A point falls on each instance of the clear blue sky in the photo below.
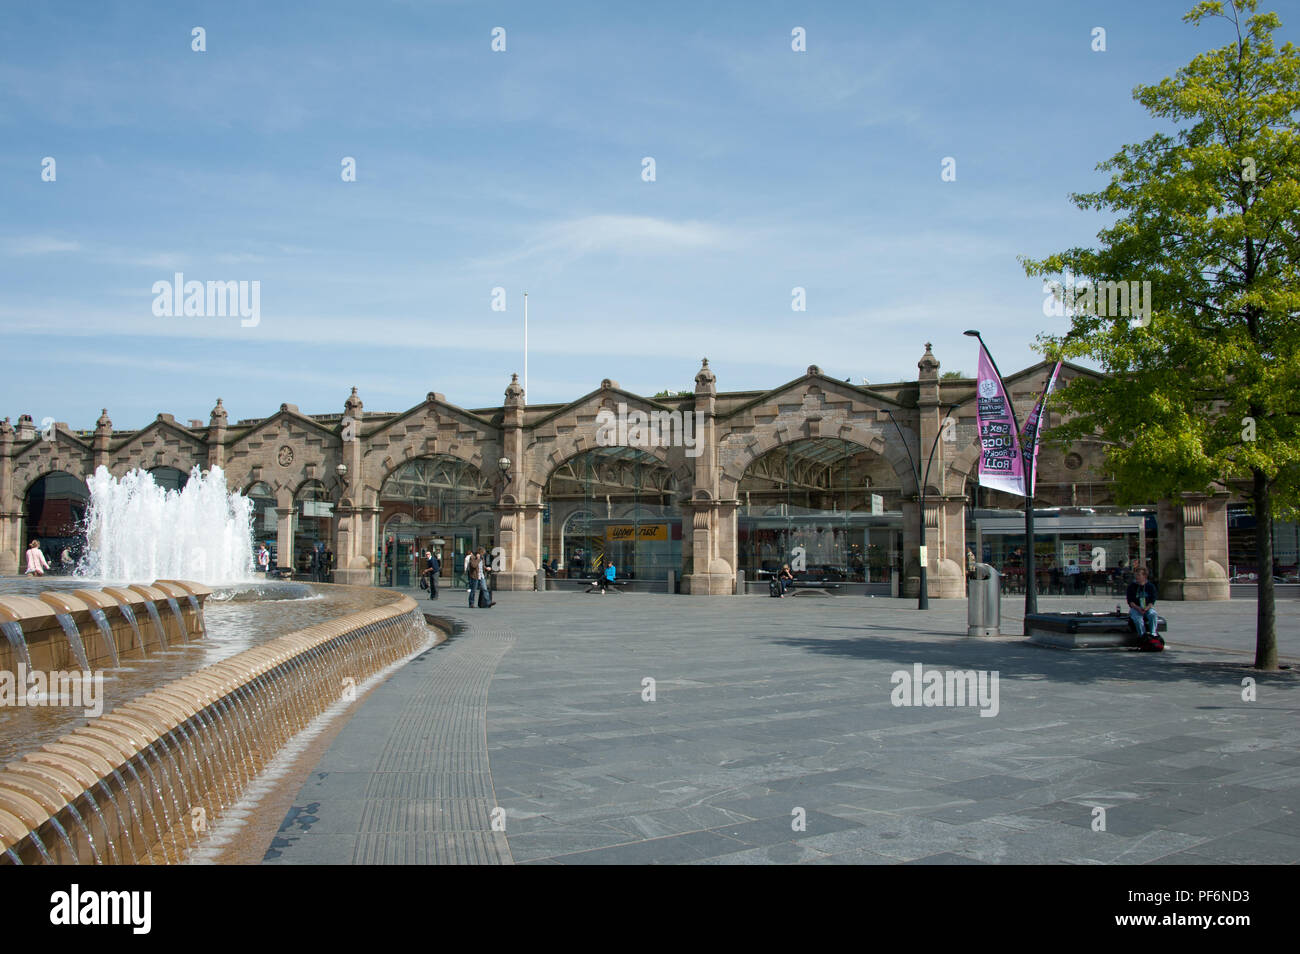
(522, 169)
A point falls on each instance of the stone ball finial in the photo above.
(353, 404)
(705, 378)
(606, 384)
(103, 424)
(6, 429)
(928, 361)
(218, 417)
(813, 369)
(514, 391)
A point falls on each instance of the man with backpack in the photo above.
(432, 567)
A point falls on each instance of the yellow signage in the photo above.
(629, 531)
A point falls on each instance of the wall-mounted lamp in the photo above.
(504, 464)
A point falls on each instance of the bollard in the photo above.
(740, 583)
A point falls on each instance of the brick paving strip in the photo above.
(406, 781)
(765, 710)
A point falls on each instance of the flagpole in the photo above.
(525, 347)
(1031, 581)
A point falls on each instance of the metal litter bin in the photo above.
(984, 602)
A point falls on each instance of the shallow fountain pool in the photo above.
(237, 618)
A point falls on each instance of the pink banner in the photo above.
(1001, 466)
(1030, 433)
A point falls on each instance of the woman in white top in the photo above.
(36, 562)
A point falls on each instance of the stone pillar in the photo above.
(911, 540)
(948, 577)
(713, 564)
(354, 523)
(217, 421)
(11, 505)
(519, 520)
(100, 444)
(944, 512)
(1193, 535)
(284, 536)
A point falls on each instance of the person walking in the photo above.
(36, 562)
(486, 600)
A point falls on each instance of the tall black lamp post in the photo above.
(923, 598)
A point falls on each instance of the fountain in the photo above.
(136, 530)
(136, 781)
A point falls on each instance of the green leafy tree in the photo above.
(1202, 384)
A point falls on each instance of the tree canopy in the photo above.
(1201, 389)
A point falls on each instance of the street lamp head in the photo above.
(341, 469)
(971, 334)
(504, 464)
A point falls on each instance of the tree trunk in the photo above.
(1266, 609)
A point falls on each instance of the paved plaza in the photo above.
(772, 738)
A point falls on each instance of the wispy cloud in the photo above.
(573, 239)
(38, 245)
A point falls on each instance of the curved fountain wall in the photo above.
(141, 783)
(112, 623)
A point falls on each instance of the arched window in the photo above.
(169, 478)
(809, 503)
(438, 503)
(54, 513)
(613, 504)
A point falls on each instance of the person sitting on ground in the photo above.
(36, 562)
(1142, 604)
(785, 577)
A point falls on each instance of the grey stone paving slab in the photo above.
(761, 709)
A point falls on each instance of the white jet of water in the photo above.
(138, 532)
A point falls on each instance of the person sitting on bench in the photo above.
(1142, 603)
(608, 577)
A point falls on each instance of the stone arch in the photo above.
(769, 439)
(173, 448)
(46, 457)
(573, 444)
(377, 470)
(60, 523)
